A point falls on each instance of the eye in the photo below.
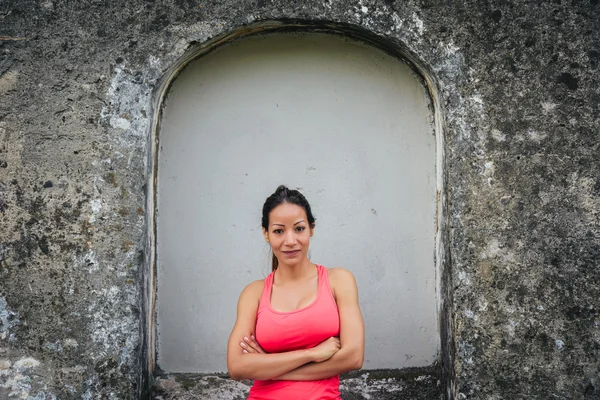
(300, 228)
(278, 231)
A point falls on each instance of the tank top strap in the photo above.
(265, 298)
(324, 286)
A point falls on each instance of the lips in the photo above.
(291, 253)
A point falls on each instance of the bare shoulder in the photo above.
(343, 285)
(341, 278)
(338, 273)
(256, 286)
(253, 289)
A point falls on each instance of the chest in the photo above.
(301, 329)
(294, 297)
(297, 318)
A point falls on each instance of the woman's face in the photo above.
(289, 233)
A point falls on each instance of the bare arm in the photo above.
(252, 365)
(352, 333)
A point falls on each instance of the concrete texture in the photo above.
(339, 119)
(411, 383)
(517, 91)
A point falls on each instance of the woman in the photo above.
(298, 329)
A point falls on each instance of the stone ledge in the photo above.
(414, 384)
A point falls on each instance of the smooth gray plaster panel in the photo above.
(344, 122)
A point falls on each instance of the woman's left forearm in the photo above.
(343, 361)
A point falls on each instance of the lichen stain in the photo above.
(19, 376)
(8, 81)
(127, 96)
(8, 319)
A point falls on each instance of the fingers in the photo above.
(246, 349)
(336, 343)
(254, 344)
(249, 345)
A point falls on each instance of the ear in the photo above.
(312, 230)
(265, 234)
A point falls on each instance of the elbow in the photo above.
(241, 373)
(234, 373)
(238, 369)
(358, 361)
(237, 376)
(234, 376)
(240, 376)
(353, 360)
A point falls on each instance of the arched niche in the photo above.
(402, 330)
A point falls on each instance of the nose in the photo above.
(290, 239)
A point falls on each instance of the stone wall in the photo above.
(518, 92)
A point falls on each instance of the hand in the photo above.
(250, 345)
(326, 349)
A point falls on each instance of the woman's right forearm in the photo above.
(267, 366)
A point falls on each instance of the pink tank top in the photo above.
(277, 332)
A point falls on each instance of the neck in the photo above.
(301, 270)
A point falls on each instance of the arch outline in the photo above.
(195, 50)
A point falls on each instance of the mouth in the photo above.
(291, 253)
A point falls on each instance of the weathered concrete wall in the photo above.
(407, 384)
(519, 87)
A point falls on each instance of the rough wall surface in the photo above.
(359, 385)
(519, 88)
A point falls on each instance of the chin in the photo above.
(293, 261)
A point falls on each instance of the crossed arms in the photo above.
(246, 360)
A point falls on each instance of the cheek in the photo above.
(305, 239)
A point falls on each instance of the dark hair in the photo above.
(285, 195)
